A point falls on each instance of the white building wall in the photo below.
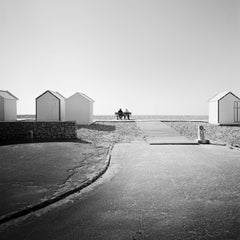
(1, 108)
(47, 108)
(91, 113)
(78, 109)
(226, 109)
(63, 112)
(10, 110)
(213, 112)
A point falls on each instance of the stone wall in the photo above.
(22, 131)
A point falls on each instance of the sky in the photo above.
(158, 57)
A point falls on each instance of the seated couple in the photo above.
(126, 114)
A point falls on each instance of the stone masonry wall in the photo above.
(17, 131)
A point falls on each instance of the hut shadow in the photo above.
(229, 125)
(97, 127)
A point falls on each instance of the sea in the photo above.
(135, 117)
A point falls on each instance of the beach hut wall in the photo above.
(50, 106)
(79, 108)
(8, 106)
(224, 109)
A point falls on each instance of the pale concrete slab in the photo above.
(158, 133)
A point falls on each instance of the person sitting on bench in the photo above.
(120, 113)
(127, 114)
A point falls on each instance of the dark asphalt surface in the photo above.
(149, 192)
(32, 173)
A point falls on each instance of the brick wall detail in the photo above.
(12, 131)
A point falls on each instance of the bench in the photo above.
(126, 115)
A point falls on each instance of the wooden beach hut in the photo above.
(8, 106)
(224, 109)
(79, 108)
(50, 107)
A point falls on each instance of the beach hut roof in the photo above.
(88, 98)
(56, 94)
(84, 95)
(7, 95)
(221, 95)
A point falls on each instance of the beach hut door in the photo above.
(237, 111)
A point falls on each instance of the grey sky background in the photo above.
(152, 57)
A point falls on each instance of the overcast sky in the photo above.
(150, 56)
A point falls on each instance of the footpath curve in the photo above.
(42, 204)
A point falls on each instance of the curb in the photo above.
(29, 209)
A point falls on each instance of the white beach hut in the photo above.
(50, 106)
(224, 109)
(8, 106)
(79, 108)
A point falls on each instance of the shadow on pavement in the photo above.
(77, 140)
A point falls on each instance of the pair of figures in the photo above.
(125, 114)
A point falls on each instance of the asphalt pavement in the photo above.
(148, 192)
(38, 174)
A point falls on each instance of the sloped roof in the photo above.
(56, 94)
(220, 95)
(88, 98)
(83, 95)
(7, 95)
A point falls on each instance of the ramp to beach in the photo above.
(158, 133)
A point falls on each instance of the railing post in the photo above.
(30, 135)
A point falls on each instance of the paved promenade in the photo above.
(165, 192)
(158, 133)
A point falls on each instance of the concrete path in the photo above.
(149, 192)
(158, 133)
